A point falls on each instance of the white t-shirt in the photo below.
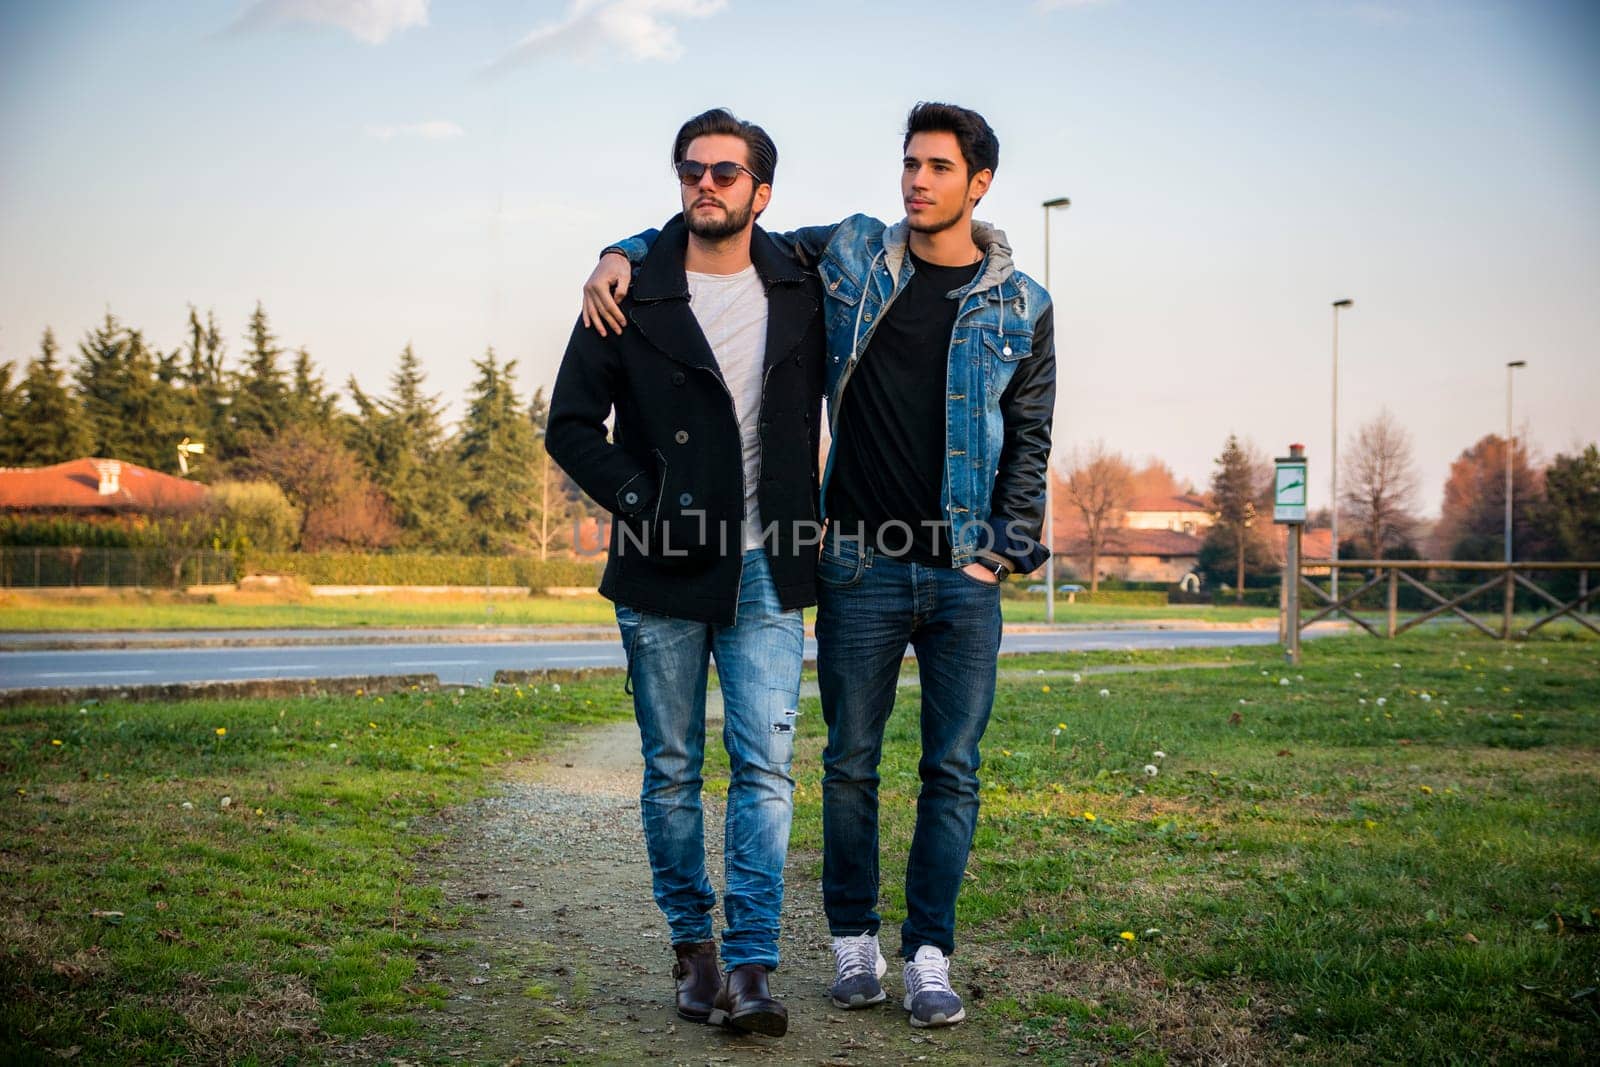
(732, 312)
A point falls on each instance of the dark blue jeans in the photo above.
(758, 663)
(871, 608)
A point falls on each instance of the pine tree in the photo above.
(203, 394)
(1235, 489)
(261, 395)
(402, 438)
(309, 399)
(51, 426)
(11, 396)
(497, 453)
(130, 408)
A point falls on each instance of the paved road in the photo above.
(458, 663)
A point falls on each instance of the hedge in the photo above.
(419, 569)
(1140, 598)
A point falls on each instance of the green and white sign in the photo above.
(1289, 491)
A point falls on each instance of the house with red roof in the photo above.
(95, 488)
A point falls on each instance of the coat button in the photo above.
(682, 437)
(685, 500)
(678, 378)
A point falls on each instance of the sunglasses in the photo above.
(724, 174)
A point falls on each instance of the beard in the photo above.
(715, 229)
(936, 225)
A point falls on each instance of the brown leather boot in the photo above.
(698, 978)
(743, 1003)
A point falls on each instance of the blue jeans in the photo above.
(758, 663)
(871, 608)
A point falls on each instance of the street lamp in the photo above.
(1333, 453)
(1510, 443)
(1049, 474)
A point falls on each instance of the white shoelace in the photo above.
(856, 955)
(928, 972)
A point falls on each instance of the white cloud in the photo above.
(631, 29)
(372, 21)
(437, 130)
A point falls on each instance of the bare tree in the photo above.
(1380, 479)
(1099, 485)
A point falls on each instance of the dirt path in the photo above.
(564, 957)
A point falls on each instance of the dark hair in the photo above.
(979, 146)
(719, 120)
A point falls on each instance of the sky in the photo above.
(378, 172)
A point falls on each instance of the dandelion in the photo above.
(373, 725)
(222, 731)
(1088, 816)
(187, 806)
(1039, 672)
(1127, 935)
(379, 700)
(1105, 692)
(1396, 666)
(260, 812)
(1158, 754)
(56, 742)
(1151, 770)
(1283, 681)
(1061, 726)
(361, 692)
(1358, 674)
(1427, 790)
(555, 687)
(1005, 752)
(333, 744)
(1369, 824)
(1361, 700)
(1382, 701)
(1516, 714)
(1076, 678)
(226, 802)
(1044, 689)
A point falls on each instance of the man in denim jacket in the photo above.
(940, 380)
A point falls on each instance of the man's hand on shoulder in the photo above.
(603, 292)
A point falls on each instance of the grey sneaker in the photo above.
(858, 965)
(929, 998)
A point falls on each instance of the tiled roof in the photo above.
(76, 486)
(1124, 542)
(1170, 503)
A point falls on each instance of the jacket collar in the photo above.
(997, 266)
(660, 299)
(662, 275)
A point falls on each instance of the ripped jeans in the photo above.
(758, 663)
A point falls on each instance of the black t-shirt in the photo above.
(890, 428)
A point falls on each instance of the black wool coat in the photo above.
(672, 471)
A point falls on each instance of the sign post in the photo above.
(1289, 509)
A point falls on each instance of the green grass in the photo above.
(1306, 876)
(1412, 882)
(224, 932)
(166, 611)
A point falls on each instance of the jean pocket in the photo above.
(839, 570)
(981, 583)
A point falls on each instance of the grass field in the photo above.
(164, 611)
(1391, 853)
